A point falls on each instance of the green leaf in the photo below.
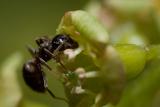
(141, 92)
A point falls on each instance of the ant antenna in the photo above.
(31, 50)
(55, 97)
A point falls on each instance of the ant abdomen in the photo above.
(33, 76)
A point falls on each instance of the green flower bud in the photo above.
(133, 58)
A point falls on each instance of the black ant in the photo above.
(47, 49)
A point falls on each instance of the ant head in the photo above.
(68, 43)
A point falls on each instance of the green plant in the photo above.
(121, 75)
(101, 72)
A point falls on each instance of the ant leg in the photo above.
(56, 50)
(53, 56)
(31, 50)
(50, 92)
(45, 64)
(55, 97)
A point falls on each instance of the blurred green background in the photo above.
(21, 21)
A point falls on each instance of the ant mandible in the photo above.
(48, 49)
